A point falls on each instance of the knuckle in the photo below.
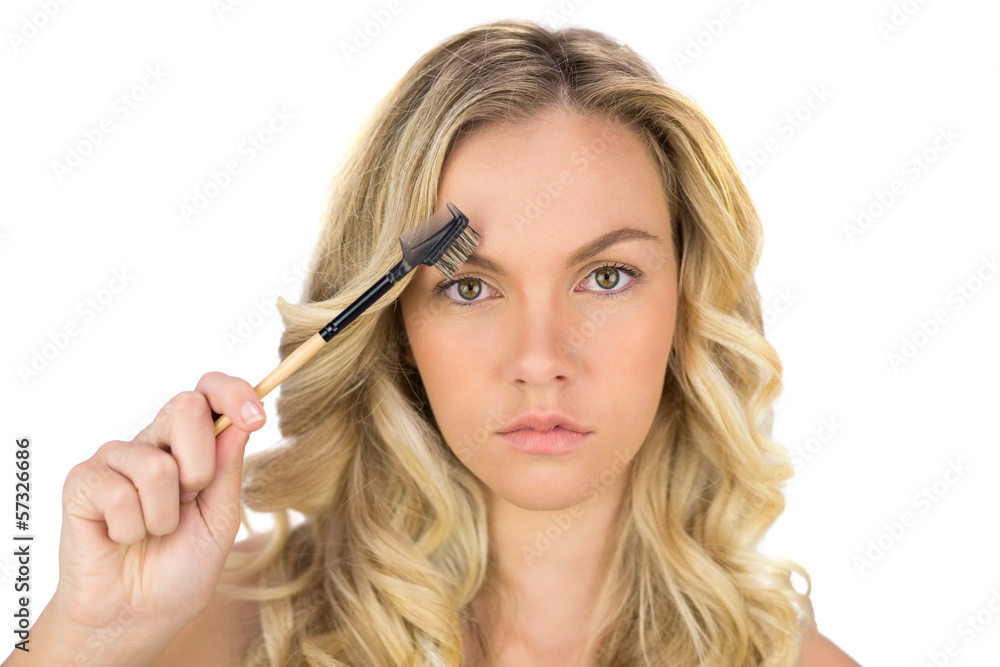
(76, 487)
(159, 469)
(85, 477)
(243, 386)
(118, 498)
(109, 449)
(210, 378)
(220, 383)
(187, 402)
(115, 457)
(76, 473)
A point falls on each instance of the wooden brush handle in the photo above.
(289, 365)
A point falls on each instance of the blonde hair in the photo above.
(394, 547)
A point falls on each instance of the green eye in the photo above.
(469, 288)
(606, 277)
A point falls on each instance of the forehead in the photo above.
(555, 180)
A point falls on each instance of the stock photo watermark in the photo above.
(806, 451)
(899, 15)
(23, 541)
(926, 329)
(133, 430)
(379, 20)
(778, 306)
(563, 521)
(967, 630)
(710, 31)
(579, 334)
(551, 190)
(787, 126)
(223, 8)
(123, 106)
(922, 502)
(86, 312)
(219, 179)
(247, 325)
(264, 309)
(32, 24)
(558, 15)
(471, 444)
(101, 639)
(912, 170)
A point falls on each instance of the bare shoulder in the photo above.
(219, 635)
(818, 651)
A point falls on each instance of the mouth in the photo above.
(553, 441)
(544, 423)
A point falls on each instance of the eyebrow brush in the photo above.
(444, 241)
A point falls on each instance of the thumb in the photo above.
(220, 500)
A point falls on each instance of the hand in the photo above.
(148, 524)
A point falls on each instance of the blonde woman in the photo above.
(559, 457)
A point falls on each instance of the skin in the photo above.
(147, 524)
(544, 334)
(146, 528)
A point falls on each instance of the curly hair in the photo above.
(392, 546)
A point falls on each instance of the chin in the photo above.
(551, 485)
(540, 500)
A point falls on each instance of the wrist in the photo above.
(55, 640)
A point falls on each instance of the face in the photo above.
(544, 358)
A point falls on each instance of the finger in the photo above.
(183, 427)
(233, 397)
(94, 492)
(154, 474)
(236, 399)
(220, 501)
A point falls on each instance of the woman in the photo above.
(558, 457)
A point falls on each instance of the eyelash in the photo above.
(633, 273)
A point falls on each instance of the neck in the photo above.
(549, 569)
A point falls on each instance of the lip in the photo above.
(540, 421)
(547, 434)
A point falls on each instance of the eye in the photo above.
(469, 288)
(464, 290)
(608, 281)
(608, 278)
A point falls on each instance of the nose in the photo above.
(539, 343)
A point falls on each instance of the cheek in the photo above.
(630, 367)
(455, 367)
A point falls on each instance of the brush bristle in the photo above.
(458, 252)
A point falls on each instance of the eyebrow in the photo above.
(602, 242)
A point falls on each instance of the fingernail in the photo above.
(188, 497)
(251, 412)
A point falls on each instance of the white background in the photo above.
(839, 304)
